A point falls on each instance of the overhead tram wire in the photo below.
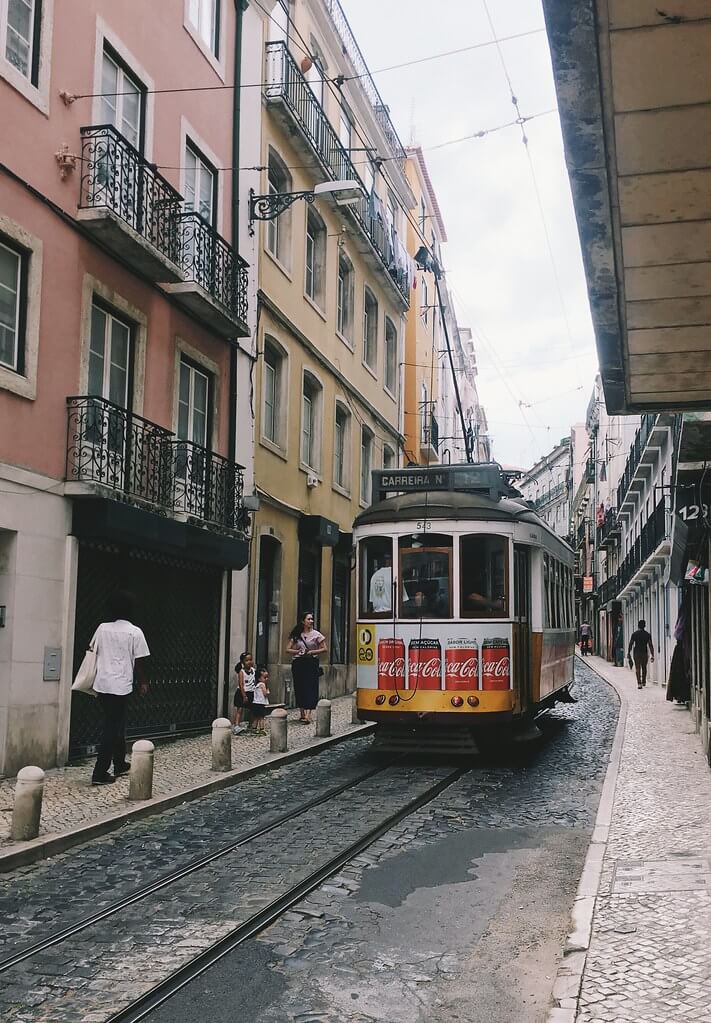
(539, 200)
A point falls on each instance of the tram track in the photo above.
(173, 876)
(141, 1008)
(379, 798)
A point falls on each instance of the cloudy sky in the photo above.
(528, 309)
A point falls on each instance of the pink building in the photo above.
(122, 301)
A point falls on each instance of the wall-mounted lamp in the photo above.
(269, 207)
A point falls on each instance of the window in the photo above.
(344, 297)
(314, 274)
(13, 272)
(205, 17)
(390, 356)
(345, 128)
(388, 457)
(370, 329)
(426, 576)
(272, 387)
(200, 186)
(108, 378)
(483, 576)
(279, 230)
(341, 447)
(310, 411)
(121, 100)
(366, 463)
(375, 574)
(21, 43)
(193, 404)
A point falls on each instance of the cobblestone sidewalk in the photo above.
(70, 801)
(648, 960)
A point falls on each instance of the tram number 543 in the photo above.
(366, 645)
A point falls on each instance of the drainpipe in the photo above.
(240, 7)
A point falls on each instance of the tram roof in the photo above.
(457, 505)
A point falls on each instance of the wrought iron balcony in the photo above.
(550, 495)
(114, 448)
(214, 284)
(128, 205)
(288, 89)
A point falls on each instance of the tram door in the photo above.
(522, 623)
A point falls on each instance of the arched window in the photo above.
(279, 229)
(315, 260)
(370, 329)
(390, 356)
(344, 297)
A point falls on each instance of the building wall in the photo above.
(39, 212)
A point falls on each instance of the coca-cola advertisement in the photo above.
(391, 663)
(424, 664)
(461, 664)
(495, 664)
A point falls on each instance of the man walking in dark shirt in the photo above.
(640, 641)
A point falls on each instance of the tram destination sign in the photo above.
(485, 477)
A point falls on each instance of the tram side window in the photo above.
(568, 598)
(426, 576)
(484, 576)
(547, 591)
(556, 594)
(375, 555)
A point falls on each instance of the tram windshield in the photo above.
(484, 576)
(376, 576)
(426, 576)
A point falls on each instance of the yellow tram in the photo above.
(465, 604)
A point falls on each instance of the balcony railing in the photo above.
(286, 83)
(430, 435)
(634, 457)
(207, 259)
(550, 495)
(111, 446)
(654, 532)
(116, 177)
(610, 528)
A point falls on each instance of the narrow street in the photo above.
(459, 911)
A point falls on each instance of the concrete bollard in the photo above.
(27, 809)
(278, 731)
(140, 780)
(323, 719)
(221, 745)
(355, 720)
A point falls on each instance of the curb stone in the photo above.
(25, 853)
(568, 981)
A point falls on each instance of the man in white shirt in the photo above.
(121, 649)
(381, 587)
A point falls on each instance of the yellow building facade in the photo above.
(424, 343)
(334, 290)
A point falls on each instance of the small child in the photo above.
(260, 701)
(244, 691)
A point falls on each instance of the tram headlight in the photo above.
(457, 701)
(380, 699)
(394, 699)
(473, 701)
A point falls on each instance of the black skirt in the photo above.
(304, 671)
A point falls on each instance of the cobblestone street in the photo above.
(70, 801)
(491, 864)
(648, 960)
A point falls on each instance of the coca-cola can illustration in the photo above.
(391, 664)
(495, 664)
(424, 664)
(461, 664)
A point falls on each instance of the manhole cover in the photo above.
(649, 877)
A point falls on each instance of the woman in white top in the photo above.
(121, 650)
(305, 645)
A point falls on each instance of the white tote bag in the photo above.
(84, 682)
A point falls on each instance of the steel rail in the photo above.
(145, 1004)
(167, 879)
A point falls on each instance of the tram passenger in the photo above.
(381, 586)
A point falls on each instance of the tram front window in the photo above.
(426, 576)
(376, 576)
(484, 576)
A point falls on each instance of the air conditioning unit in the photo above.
(312, 481)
